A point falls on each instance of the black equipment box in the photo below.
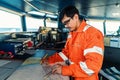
(15, 48)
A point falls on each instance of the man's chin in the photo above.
(71, 30)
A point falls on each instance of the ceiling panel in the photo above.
(103, 9)
(96, 11)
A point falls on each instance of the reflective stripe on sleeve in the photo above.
(86, 69)
(64, 57)
(94, 49)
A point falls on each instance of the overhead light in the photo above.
(52, 16)
(116, 14)
(36, 13)
(30, 0)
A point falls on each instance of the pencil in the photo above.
(43, 58)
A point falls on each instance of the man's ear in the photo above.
(75, 16)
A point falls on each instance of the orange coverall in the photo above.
(85, 49)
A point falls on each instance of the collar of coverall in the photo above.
(81, 26)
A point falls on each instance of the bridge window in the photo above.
(9, 22)
(112, 27)
(33, 24)
(97, 24)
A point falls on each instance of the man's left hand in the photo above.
(57, 69)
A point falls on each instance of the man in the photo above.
(84, 48)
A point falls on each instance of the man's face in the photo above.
(70, 23)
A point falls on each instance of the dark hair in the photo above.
(81, 17)
(69, 11)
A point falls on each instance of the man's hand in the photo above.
(57, 67)
(60, 63)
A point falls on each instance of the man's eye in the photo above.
(66, 22)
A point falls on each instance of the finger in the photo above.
(57, 64)
(54, 71)
(61, 63)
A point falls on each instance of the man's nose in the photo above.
(67, 25)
